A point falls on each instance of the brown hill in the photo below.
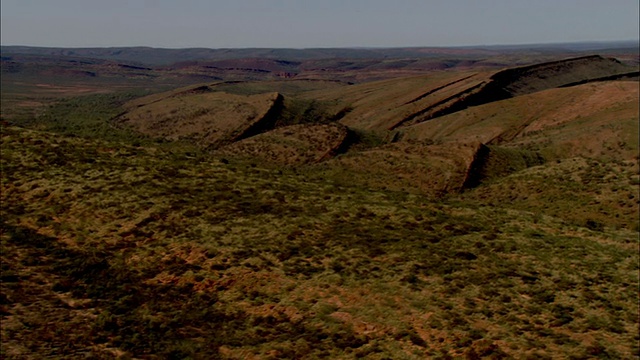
(533, 78)
(439, 156)
(538, 77)
(395, 103)
(594, 120)
(382, 105)
(198, 114)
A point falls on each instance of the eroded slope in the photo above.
(396, 103)
(593, 120)
(203, 116)
(383, 105)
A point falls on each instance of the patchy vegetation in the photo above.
(229, 221)
(137, 251)
(293, 145)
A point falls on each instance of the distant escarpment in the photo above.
(402, 102)
(525, 80)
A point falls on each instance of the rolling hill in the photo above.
(468, 212)
(201, 115)
(593, 120)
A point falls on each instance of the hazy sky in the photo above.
(313, 23)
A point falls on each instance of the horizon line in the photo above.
(355, 47)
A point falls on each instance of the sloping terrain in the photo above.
(398, 103)
(292, 145)
(529, 79)
(593, 120)
(114, 250)
(528, 129)
(432, 170)
(317, 219)
(34, 78)
(581, 191)
(201, 115)
(384, 104)
(533, 78)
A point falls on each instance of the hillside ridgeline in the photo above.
(399, 103)
(312, 218)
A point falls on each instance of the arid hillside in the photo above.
(416, 133)
(141, 251)
(592, 120)
(403, 102)
(384, 105)
(470, 211)
(205, 117)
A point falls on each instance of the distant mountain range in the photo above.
(161, 56)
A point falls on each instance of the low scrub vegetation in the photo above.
(111, 250)
(255, 224)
